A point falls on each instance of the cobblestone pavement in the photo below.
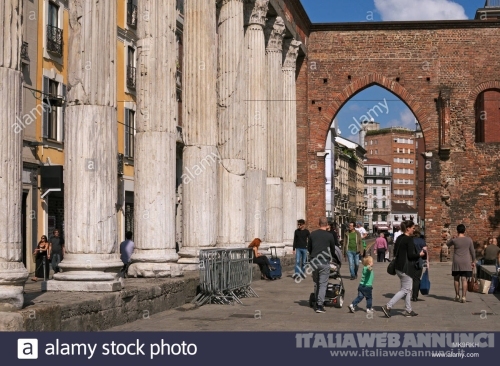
(283, 306)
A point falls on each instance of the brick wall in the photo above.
(492, 116)
(414, 61)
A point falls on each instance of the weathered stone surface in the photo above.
(301, 203)
(274, 212)
(289, 212)
(199, 104)
(231, 126)
(156, 133)
(256, 204)
(12, 271)
(83, 285)
(11, 322)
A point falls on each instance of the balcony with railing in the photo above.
(54, 40)
(131, 77)
(370, 173)
(24, 52)
(404, 196)
(131, 14)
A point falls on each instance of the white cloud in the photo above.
(403, 10)
(406, 119)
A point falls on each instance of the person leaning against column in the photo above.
(464, 261)
(320, 242)
(405, 255)
(352, 248)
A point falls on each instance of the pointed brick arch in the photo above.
(365, 82)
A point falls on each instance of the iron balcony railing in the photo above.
(24, 51)
(378, 174)
(131, 15)
(54, 40)
(131, 77)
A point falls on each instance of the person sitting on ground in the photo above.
(261, 260)
(491, 252)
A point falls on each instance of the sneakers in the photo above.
(370, 311)
(387, 311)
(320, 309)
(351, 308)
(457, 298)
(409, 314)
(463, 300)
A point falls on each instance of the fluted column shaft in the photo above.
(275, 32)
(290, 138)
(155, 139)
(200, 130)
(256, 173)
(232, 125)
(13, 274)
(90, 189)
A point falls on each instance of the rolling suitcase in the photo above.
(275, 263)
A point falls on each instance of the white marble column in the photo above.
(256, 100)
(275, 32)
(232, 125)
(301, 203)
(200, 157)
(290, 139)
(155, 142)
(13, 274)
(90, 171)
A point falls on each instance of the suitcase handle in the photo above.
(275, 252)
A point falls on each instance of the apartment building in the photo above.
(377, 194)
(397, 146)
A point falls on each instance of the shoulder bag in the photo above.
(391, 268)
(473, 283)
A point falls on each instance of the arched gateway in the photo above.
(438, 69)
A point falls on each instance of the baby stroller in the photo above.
(334, 291)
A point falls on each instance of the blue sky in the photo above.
(377, 102)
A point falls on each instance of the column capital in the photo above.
(275, 32)
(255, 12)
(291, 54)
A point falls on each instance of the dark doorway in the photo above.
(23, 225)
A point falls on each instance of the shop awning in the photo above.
(382, 228)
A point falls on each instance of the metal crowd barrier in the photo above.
(225, 276)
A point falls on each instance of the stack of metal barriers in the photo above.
(225, 276)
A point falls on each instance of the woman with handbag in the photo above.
(464, 261)
(41, 255)
(405, 256)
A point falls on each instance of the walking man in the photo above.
(353, 246)
(320, 242)
(360, 229)
(56, 251)
(126, 250)
(300, 240)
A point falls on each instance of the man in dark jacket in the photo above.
(320, 245)
(300, 240)
(405, 254)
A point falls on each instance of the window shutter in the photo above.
(126, 133)
(63, 112)
(45, 108)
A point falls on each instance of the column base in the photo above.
(82, 286)
(13, 276)
(154, 270)
(190, 267)
(154, 256)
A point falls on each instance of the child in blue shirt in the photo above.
(365, 287)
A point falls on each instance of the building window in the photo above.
(383, 192)
(383, 171)
(374, 191)
(53, 116)
(384, 217)
(487, 116)
(376, 151)
(374, 171)
(54, 33)
(375, 204)
(383, 206)
(366, 191)
(131, 67)
(129, 133)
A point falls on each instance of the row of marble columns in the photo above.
(239, 115)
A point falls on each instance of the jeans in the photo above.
(364, 292)
(380, 255)
(406, 287)
(300, 261)
(55, 260)
(320, 277)
(353, 258)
